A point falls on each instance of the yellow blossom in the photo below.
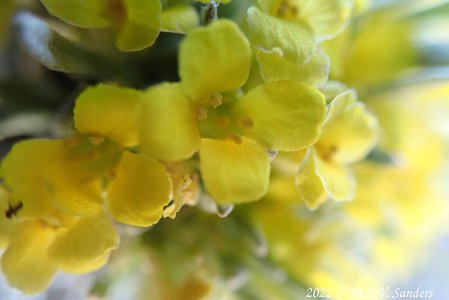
(349, 132)
(37, 250)
(205, 112)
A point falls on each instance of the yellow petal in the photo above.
(275, 67)
(349, 131)
(6, 225)
(286, 115)
(140, 25)
(85, 246)
(337, 180)
(22, 170)
(48, 179)
(73, 12)
(108, 111)
(234, 173)
(327, 18)
(72, 187)
(308, 183)
(179, 18)
(214, 59)
(290, 41)
(168, 125)
(141, 190)
(25, 263)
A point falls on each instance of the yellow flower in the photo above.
(349, 132)
(287, 33)
(78, 174)
(286, 50)
(232, 132)
(135, 23)
(36, 250)
(55, 191)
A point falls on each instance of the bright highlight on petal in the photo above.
(85, 246)
(213, 60)
(286, 115)
(168, 125)
(140, 191)
(108, 111)
(234, 173)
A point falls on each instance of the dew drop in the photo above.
(272, 154)
(224, 210)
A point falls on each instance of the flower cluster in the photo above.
(252, 116)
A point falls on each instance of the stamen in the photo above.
(327, 153)
(111, 175)
(235, 138)
(72, 141)
(247, 122)
(222, 121)
(96, 140)
(287, 10)
(186, 182)
(201, 113)
(216, 100)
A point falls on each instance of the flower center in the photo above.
(287, 10)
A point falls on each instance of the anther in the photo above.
(222, 121)
(72, 141)
(186, 182)
(247, 122)
(201, 113)
(235, 138)
(111, 175)
(96, 140)
(216, 100)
